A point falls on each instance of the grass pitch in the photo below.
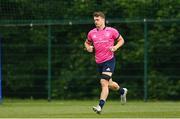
(83, 109)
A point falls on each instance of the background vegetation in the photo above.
(74, 75)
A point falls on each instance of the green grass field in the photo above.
(83, 109)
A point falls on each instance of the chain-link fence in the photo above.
(43, 52)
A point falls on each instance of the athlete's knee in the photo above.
(113, 85)
(106, 77)
(104, 83)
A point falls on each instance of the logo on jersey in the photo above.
(107, 34)
(94, 36)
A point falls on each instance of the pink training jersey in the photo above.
(103, 40)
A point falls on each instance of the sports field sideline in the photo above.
(83, 109)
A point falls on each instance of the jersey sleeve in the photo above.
(89, 39)
(115, 34)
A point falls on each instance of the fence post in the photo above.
(0, 69)
(145, 60)
(49, 62)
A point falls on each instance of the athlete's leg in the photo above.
(123, 91)
(105, 86)
(113, 85)
(104, 89)
(106, 76)
(106, 69)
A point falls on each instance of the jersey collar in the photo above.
(102, 29)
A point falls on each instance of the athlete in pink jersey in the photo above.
(101, 40)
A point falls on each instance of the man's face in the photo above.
(99, 21)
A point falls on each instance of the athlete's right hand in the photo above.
(90, 48)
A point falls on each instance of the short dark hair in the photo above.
(99, 13)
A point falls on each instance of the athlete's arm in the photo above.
(120, 42)
(88, 46)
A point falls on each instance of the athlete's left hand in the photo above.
(113, 48)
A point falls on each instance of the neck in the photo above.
(101, 27)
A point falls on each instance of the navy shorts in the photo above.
(107, 66)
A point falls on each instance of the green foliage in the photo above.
(74, 75)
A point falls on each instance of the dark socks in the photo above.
(101, 103)
(121, 90)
